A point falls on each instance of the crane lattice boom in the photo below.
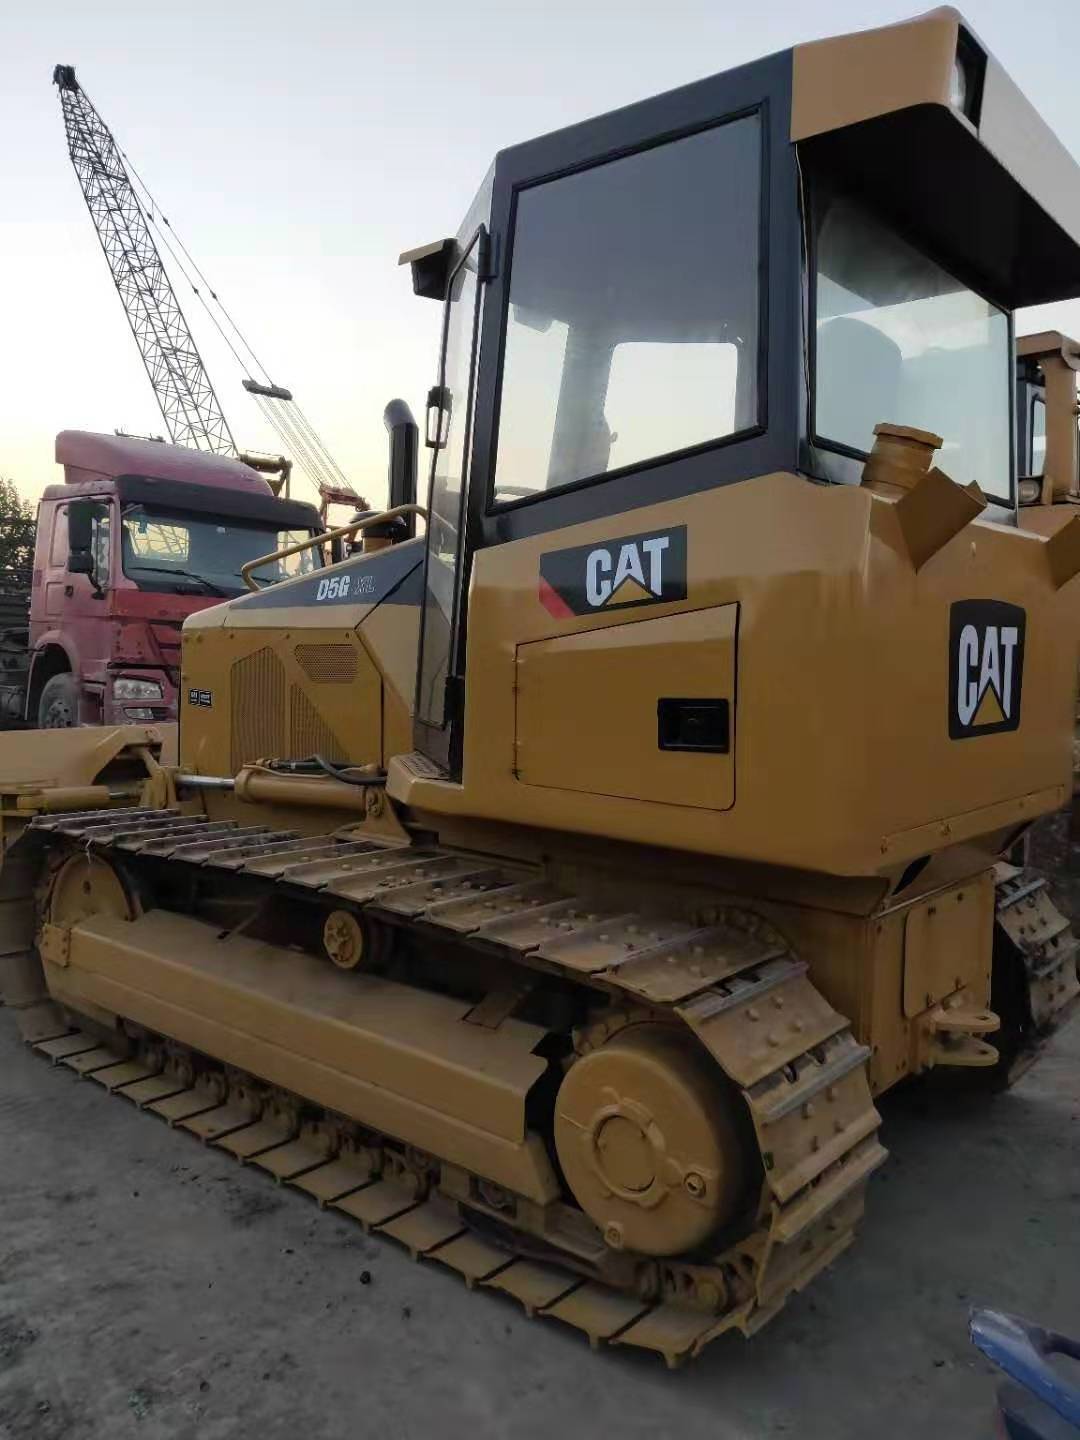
(190, 408)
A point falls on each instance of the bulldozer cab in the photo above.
(740, 277)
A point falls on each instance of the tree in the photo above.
(16, 528)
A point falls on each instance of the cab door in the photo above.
(440, 678)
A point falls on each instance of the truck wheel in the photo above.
(58, 708)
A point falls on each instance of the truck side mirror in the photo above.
(80, 519)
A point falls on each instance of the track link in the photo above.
(1042, 939)
(730, 979)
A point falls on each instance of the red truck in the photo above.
(138, 536)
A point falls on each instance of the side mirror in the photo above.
(80, 562)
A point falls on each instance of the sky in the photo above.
(297, 150)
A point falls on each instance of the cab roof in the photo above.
(87, 455)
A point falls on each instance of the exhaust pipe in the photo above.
(404, 448)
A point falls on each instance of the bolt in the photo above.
(752, 1014)
(613, 1236)
(778, 1001)
(694, 1184)
(807, 1110)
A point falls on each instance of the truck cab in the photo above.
(138, 536)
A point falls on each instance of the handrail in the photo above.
(313, 540)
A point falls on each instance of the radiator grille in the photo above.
(327, 664)
(257, 707)
(310, 733)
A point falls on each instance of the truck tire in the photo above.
(58, 708)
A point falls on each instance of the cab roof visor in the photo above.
(997, 196)
(262, 507)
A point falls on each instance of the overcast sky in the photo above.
(299, 148)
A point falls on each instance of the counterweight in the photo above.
(189, 405)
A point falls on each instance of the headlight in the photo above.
(1030, 491)
(126, 688)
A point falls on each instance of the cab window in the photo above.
(58, 549)
(898, 339)
(100, 544)
(634, 306)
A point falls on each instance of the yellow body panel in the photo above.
(840, 700)
(402, 1060)
(614, 751)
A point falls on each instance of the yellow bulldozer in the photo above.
(554, 891)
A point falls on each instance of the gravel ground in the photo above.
(150, 1287)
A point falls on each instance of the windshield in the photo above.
(899, 340)
(163, 550)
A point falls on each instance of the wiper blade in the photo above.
(211, 588)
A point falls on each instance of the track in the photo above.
(732, 981)
(1044, 941)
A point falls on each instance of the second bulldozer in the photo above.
(556, 891)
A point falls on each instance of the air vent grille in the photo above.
(257, 708)
(310, 734)
(327, 664)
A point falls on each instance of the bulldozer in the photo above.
(555, 891)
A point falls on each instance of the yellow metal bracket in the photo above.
(949, 1035)
(54, 945)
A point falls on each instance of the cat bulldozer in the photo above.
(554, 890)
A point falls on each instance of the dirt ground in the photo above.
(150, 1287)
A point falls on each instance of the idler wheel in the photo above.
(649, 1137)
(87, 885)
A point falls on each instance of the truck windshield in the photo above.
(900, 340)
(164, 550)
